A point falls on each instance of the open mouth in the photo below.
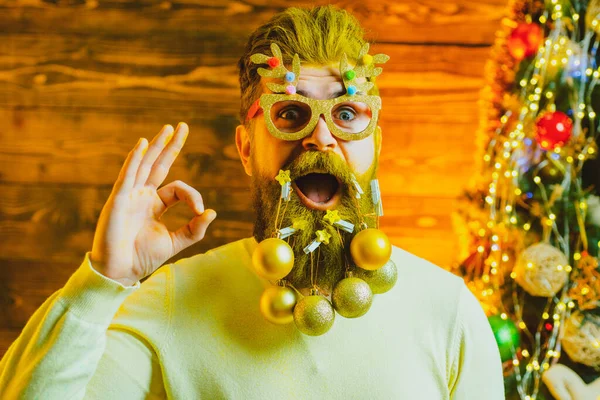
(319, 191)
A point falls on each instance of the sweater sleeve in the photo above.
(67, 342)
(477, 369)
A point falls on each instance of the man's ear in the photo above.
(378, 140)
(242, 142)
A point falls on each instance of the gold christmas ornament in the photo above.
(370, 249)
(273, 259)
(352, 297)
(581, 339)
(541, 270)
(314, 315)
(277, 304)
(380, 280)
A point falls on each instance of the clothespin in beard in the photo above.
(286, 184)
(376, 197)
(359, 190)
(297, 225)
(333, 217)
(322, 237)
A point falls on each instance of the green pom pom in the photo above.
(349, 75)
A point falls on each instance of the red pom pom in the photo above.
(525, 40)
(553, 129)
(273, 62)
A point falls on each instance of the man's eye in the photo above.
(289, 114)
(345, 114)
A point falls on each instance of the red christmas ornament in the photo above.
(273, 62)
(553, 129)
(525, 40)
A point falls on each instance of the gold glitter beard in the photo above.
(329, 260)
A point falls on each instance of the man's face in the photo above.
(321, 166)
(317, 82)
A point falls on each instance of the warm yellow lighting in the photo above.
(537, 179)
(525, 353)
(568, 268)
(545, 315)
(505, 257)
(518, 191)
(530, 265)
(585, 291)
(513, 275)
(571, 304)
(577, 256)
(570, 159)
(480, 249)
(503, 316)
(513, 220)
(527, 226)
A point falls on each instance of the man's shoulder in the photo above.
(424, 274)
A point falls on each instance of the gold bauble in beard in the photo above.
(273, 259)
(370, 249)
(352, 297)
(314, 315)
(277, 304)
(380, 280)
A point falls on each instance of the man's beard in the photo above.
(329, 261)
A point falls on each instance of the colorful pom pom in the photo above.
(291, 89)
(349, 75)
(290, 77)
(367, 59)
(351, 90)
(273, 62)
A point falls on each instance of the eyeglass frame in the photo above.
(318, 108)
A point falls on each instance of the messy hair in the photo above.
(319, 35)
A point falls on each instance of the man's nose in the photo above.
(321, 138)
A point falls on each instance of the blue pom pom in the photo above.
(290, 76)
(351, 90)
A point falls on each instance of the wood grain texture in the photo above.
(82, 80)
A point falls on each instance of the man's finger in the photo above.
(193, 232)
(126, 177)
(154, 149)
(176, 191)
(160, 168)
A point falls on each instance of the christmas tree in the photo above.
(529, 223)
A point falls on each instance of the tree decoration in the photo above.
(525, 40)
(370, 249)
(581, 339)
(553, 129)
(380, 280)
(352, 297)
(507, 336)
(541, 270)
(277, 304)
(273, 259)
(314, 315)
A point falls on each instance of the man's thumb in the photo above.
(194, 231)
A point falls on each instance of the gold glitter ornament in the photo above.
(277, 304)
(381, 280)
(273, 259)
(370, 249)
(541, 270)
(314, 315)
(352, 297)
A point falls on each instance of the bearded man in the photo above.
(309, 139)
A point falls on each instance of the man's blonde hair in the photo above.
(319, 35)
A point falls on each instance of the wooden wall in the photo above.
(81, 81)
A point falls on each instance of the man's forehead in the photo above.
(317, 81)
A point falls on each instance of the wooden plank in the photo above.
(420, 21)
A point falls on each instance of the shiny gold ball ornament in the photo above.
(541, 269)
(370, 249)
(277, 304)
(273, 259)
(352, 297)
(380, 280)
(314, 315)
